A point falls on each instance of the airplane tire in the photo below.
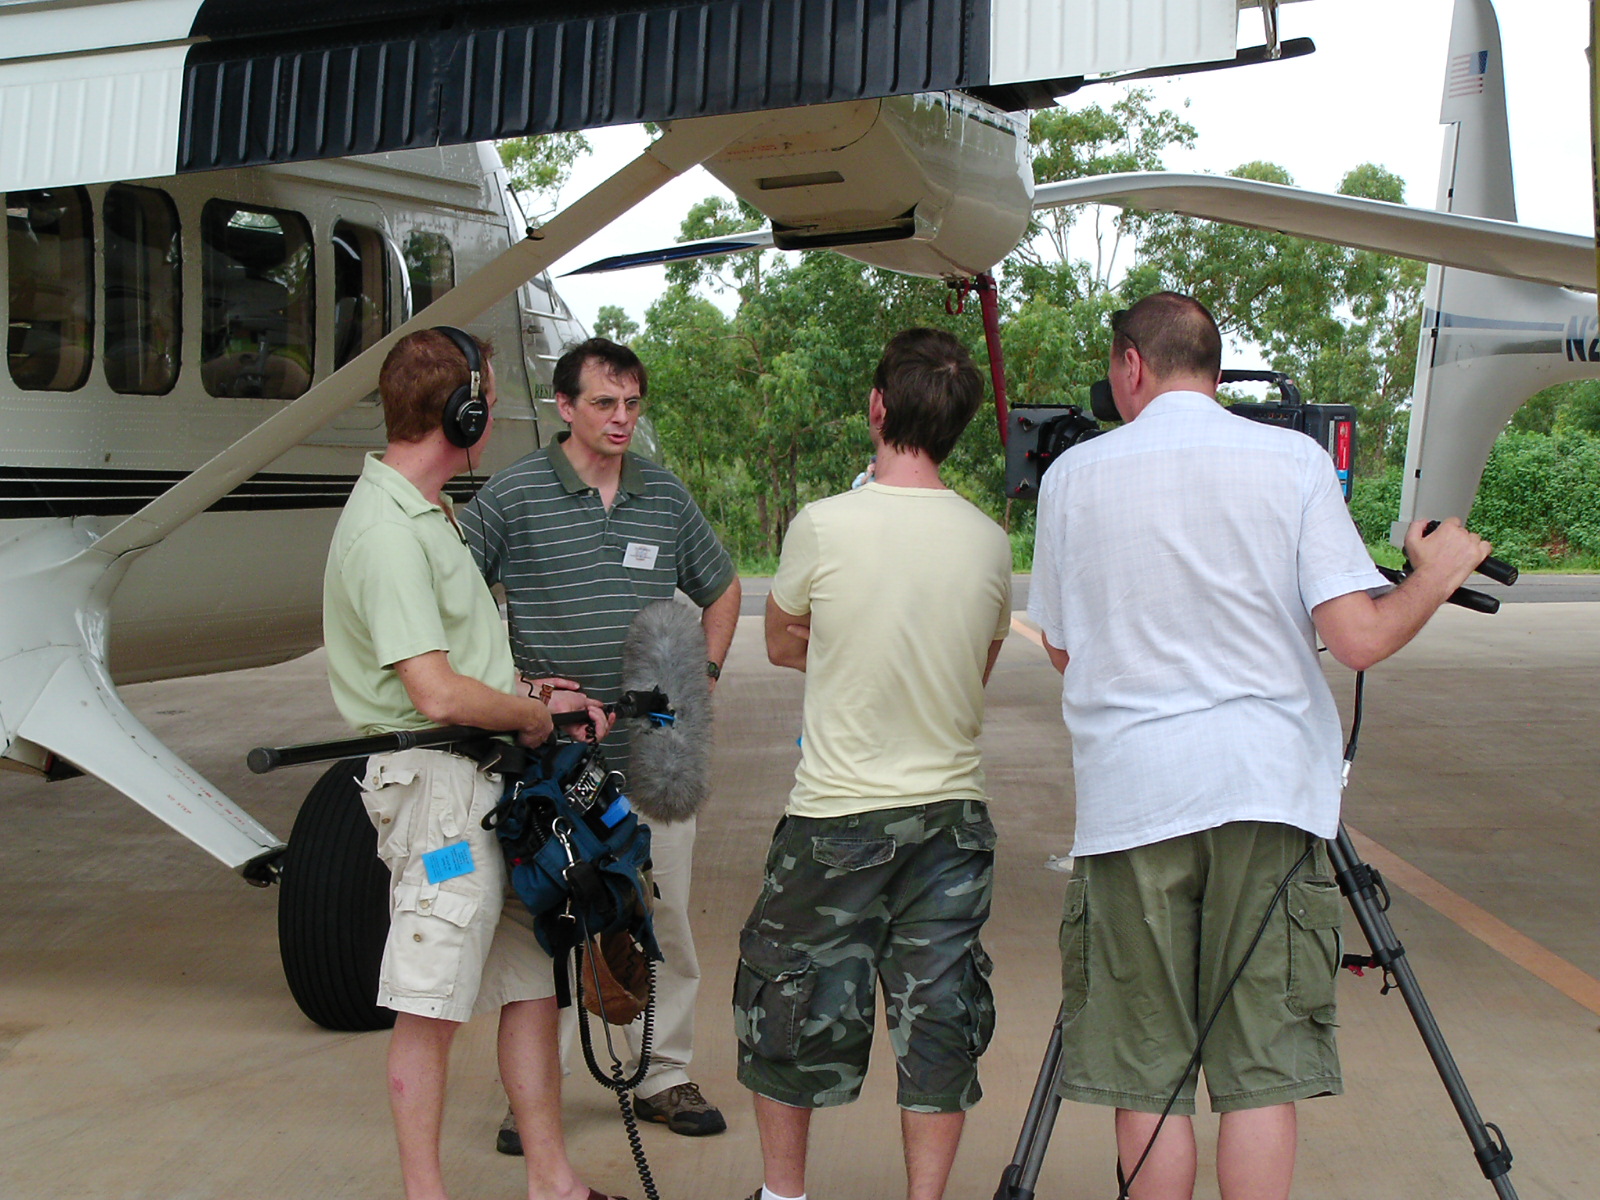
(333, 906)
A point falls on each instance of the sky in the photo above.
(1370, 93)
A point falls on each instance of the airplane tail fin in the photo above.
(1487, 343)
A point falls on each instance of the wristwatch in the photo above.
(713, 670)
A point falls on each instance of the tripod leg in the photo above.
(1019, 1179)
(1362, 887)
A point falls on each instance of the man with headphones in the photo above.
(1184, 567)
(414, 639)
(583, 534)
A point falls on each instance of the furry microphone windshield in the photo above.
(669, 772)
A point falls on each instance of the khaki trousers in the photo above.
(677, 978)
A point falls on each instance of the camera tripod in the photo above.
(1368, 896)
(1364, 888)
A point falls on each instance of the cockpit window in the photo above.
(432, 266)
(50, 241)
(144, 280)
(257, 288)
(361, 291)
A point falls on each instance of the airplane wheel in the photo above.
(333, 906)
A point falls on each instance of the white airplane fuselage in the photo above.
(240, 585)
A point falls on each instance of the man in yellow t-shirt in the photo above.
(893, 599)
(414, 639)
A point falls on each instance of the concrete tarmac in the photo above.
(149, 1049)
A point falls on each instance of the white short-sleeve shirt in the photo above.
(1177, 563)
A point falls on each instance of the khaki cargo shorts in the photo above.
(1150, 938)
(464, 944)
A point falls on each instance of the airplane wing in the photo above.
(94, 90)
(1450, 239)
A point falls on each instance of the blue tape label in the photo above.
(447, 862)
(619, 809)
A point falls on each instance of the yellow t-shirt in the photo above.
(907, 588)
(400, 582)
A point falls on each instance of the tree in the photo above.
(540, 166)
(1128, 136)
(612, 321)
(1343, 322)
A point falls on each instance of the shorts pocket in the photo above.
(976, 835)
(771, 996)
(388, 793)
(977, 996)
(1316, 912)
(1074, 944)
(428, 934)
(852, 854)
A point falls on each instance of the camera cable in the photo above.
(1351, 745)
(616, 1083)
(1124, 1183)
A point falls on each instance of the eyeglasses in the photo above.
(606, 405)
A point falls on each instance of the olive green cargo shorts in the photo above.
(895, 896)
(1149, 939)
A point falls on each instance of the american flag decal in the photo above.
(1467, 72)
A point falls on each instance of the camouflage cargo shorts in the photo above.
(898, 896)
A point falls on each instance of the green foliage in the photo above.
(612, 321)
(1343, 322)
(1573, 405)
(542, 165)
(1375, 503)
(1074, 144)
(1539, 502)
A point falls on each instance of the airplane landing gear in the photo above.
(333, 906)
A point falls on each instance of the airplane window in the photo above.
(432, 266)
(256, 273)
(361, 291)
(51, 245)
(144, 268)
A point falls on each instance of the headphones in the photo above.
(466, 413)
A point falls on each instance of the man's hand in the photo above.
(537, 687)
(788, 636)
(567, 700)
(1451, 551)
(1361, 632)
(448, 698)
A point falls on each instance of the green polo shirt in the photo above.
(401, 582)
(575, 574)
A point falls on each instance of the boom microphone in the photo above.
(669, 766)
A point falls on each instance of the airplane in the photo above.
(198, 304)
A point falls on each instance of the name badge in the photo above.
(447, 862)
(640, 556)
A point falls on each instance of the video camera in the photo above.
(1036, 435)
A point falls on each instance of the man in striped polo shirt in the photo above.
(583, 535)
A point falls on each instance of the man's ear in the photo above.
(875, 409)
(564, 407)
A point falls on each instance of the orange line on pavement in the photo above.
(1574, 984)
(1528, 954)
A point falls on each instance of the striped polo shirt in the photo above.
(575, 574)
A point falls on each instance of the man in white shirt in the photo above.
(1185, 566)
(893, 599)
